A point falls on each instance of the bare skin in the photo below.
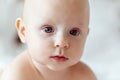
(52, 28)
(23, 69)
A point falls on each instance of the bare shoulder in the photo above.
(83, 72)
(18, 69)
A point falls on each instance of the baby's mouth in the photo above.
(60, 58)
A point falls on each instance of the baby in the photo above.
(55, 32)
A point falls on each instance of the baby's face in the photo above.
(56, 28)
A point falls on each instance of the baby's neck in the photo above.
(48, 74)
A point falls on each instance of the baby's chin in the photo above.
(57, 68)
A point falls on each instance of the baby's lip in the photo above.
(59, 58)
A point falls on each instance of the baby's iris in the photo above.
(48, 29)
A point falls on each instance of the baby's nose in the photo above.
(62, 44)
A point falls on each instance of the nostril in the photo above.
(66, 46)
(57, 46)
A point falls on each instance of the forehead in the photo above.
(56, 9)
(58, 2)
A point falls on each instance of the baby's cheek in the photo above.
(44, 47)
(76, 49)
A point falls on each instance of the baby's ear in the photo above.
(21, 29)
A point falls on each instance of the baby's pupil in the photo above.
(48, 29)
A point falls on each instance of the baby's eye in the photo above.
(75, 32)
(48, 29)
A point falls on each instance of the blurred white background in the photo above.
(102, 50)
